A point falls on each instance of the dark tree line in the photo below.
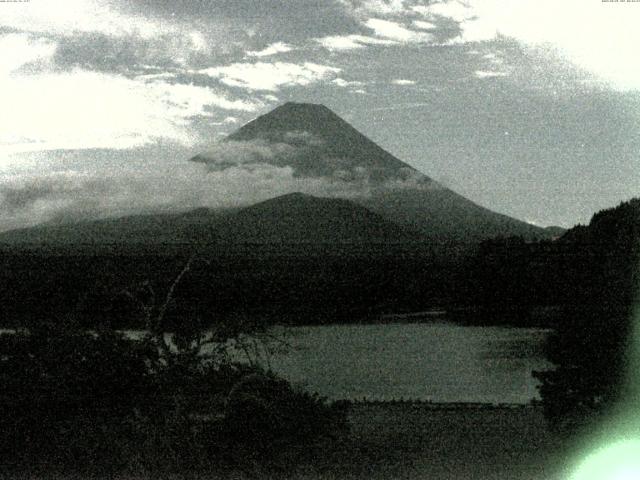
(590, 278)
(593, 344)
(285, 283)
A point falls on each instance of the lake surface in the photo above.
(440, 362)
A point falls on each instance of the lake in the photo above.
(441, 362)
(437, 361)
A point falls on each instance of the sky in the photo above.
(528, 107)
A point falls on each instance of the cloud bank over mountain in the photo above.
(31, 199)
(255, 163)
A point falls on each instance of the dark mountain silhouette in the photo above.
(292, 218)
(316, 143)
(300, 218)
(443, 215)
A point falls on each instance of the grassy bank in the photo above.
(435, 442)
(426, 442)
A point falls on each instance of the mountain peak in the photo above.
(301, 106)
(296, 195)
(311, 118)
(322, 145)
(298, 110)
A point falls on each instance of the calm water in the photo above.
(440, 362)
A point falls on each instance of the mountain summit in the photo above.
(317, 144)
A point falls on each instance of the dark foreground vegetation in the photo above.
(593, 346)
(94, 403)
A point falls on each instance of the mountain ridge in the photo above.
(290, 218)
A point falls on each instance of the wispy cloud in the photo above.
(341, 82)
(424, 25)
(76, 16)
(271, 76)
(598, 37)
(229, 174)
(33, 198)
(403, 82)
(351, 42)
(489, 74)
(273, 49)
(382, 7)
(228, 154)
(453, 9)
(395, 31)
(79, 79)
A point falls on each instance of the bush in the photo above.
(97, 402)
(67, 393)
(591, 351)
(270, 422)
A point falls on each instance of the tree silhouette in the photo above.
(591, 347)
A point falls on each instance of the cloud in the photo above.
(271, 76)
(312, 157)
(424, 25)
(34, 198)
(19, 49)
(402, 82)
(395, 31)
(82, 109)
(75, 16)
(55, 98)
(230, 173)
(273, 49)
(410, 179)
(283, 149)
(229, 154)
(351, 42)
(249, 22)
(489, 74)
(382, 7)
(96, 35)
(342, 83)
(454, 9)
(132, 53)
(599, 37)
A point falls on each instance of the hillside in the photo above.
(300, 218)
